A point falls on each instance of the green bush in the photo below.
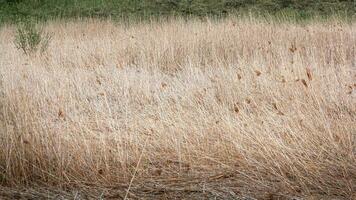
(30, 38)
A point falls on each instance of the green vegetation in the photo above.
(30, 38)
(12, 10)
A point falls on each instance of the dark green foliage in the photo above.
(11, 10)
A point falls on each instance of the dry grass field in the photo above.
(228, 109)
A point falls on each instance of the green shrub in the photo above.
(30, 38)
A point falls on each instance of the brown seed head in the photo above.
(236, 108)
(309, 74)
(258, 73)
(304, 83)
(61, 113)
(239, 76)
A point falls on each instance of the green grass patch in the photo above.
(13, 10)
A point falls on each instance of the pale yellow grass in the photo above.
(213, 109)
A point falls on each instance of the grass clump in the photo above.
(30, 38)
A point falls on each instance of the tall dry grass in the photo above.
(214, 109)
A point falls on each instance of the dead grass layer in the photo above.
(229, 109)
